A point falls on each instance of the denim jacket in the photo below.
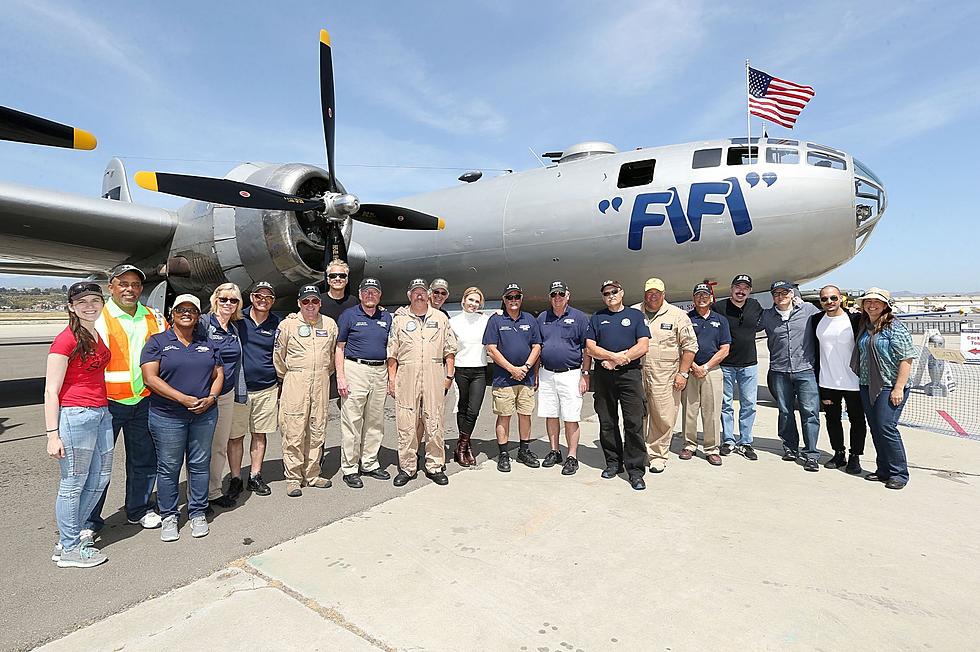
(892, 345)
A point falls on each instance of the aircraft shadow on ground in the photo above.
(21, 391)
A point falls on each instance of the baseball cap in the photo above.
(876, 293)
(512, 287)
(370, 283)
(742, 278)
(84, 289)
(417, 283)
(558, 286)
(605, 284)
(187, 298)
(439, 283)
(654, 284)
(702, 287)
(264, 285)
(308, 290)
(119, 270)
(781, 285)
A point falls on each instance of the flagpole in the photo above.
(748, 114)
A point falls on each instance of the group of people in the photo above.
(189, 389)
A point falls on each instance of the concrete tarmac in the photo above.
(754, 555)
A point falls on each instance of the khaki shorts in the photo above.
(508, 399)
(259, 414)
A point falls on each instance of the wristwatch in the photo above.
(585, 372)
(449, 377)
(684, 374)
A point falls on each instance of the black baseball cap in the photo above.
(615, 284)
(512, 287)
(264, 285)
(781, 285)
(558, 286)
(119, 270)
(370, 283)
(84, 289)
(418, 283)
(308, 290)
(742, 278)
(702, 287)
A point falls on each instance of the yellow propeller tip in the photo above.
(83, 140)
(325, 37)
(442, 223)
(147, 180)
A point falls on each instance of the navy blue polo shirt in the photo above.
(229, 348)
(563, 338)
(618, 331)
(187, 369)
(513, 338)
(366, 337)
(257, 343)
(712, 331)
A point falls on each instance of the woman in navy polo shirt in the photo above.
(184, 372)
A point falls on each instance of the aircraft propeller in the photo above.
(26, 128)
(332, 208)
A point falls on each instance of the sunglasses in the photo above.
(186, 310)
(558, 293)
(441, 293)
(610, 293)
(333, 275)
(231, 300)
(513, 297)
(263, 297)
(308, 300)
(829, 299)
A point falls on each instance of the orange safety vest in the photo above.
(119, 384)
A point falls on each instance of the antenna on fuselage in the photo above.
(536, 157)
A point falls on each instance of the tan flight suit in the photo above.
(420, 346)
(304, 363)
(671, 333)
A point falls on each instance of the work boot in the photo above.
(837, 461)
(853, 465)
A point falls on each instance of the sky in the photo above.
(196, 87)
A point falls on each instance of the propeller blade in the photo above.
(26, 128)
(396, 217)
(327, 103)
(224, 191)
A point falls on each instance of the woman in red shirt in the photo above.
(79, 426)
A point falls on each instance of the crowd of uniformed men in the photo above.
(216, 377)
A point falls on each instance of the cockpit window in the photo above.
(637, 173)
(822, 160)
(782, 155)
(742, 155)
(783, 141)
(706, 158)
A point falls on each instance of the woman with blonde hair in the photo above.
(222, 333)
(471, 370)
(882, 360)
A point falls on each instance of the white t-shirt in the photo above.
(784, 313)
(469, 328)
(836, 339)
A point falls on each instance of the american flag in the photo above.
(776, 99)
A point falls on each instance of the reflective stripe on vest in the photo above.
(118, 375)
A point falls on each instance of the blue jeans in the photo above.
(788, 388)
(176, 439)
(86, 435)
(747, 379)
(141, 461)
(883, 420)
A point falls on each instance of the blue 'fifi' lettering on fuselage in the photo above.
(688, 228)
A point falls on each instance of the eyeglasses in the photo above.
(441, 293)
(558, 293)
(186, 310)
(781, 293)
(125, 284)
(308, 300)
(263, 297)
(333, 275)
(829, 299)
(231, 300)
(610, 293)
(513, 297)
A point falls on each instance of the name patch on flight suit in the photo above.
(323, 333)
(666, 327)
(433, 324)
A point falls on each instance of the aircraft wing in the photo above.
(49, 232)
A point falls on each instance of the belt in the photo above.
(370, 363)
(562, 370)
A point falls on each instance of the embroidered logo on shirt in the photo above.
(569, 320)
(666, 327)
(323, 333)
(361, 323)
(715, 324)
(626, 321)
(411, 326)
(524, 327)
(382, 324)
(604, 321)
(505, 328)
(170, 347)
(202, 349)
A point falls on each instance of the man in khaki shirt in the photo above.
(421, 364)
(665, 368)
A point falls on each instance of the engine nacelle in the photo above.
(242, 245)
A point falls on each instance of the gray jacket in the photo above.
(792, 343)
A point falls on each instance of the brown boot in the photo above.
(468, 458)
(458, 454)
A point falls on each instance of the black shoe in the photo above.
(377, 474)
(438, 477)
(811, 465)
(503, 463)
(874, 477)
(402, 478)
(838, 461)
(612, 472)
(235, 488)
(636, 481)
(209, 511)
(789, 456)
(257, 485)
(725, 450)
(746, 451)
(353, 481)
(853, 465)
(527, 458)
(552, 458)
(895, 483)
(570, 466)
(225, 501)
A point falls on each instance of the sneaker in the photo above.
(56, 555)
(811, 465)
(293, 490)
(611, 472)
(789, 456)
(235, 488)
(81, 557)
(838, 461)
(169, 531)
(552, 458)
(149, 521)
(636, 481)
(199, 526)
(87, 537)
(320, 483)
(224, 501)
(854, 465)
(725, 450)
(528, 458)
(503, 463)
(570, 466)
(258, 486)
(746, 451)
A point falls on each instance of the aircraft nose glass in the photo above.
(870, 201)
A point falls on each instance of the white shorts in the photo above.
(558, 395)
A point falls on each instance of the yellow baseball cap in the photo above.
(654, 284)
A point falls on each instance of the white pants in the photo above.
(558, 395)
